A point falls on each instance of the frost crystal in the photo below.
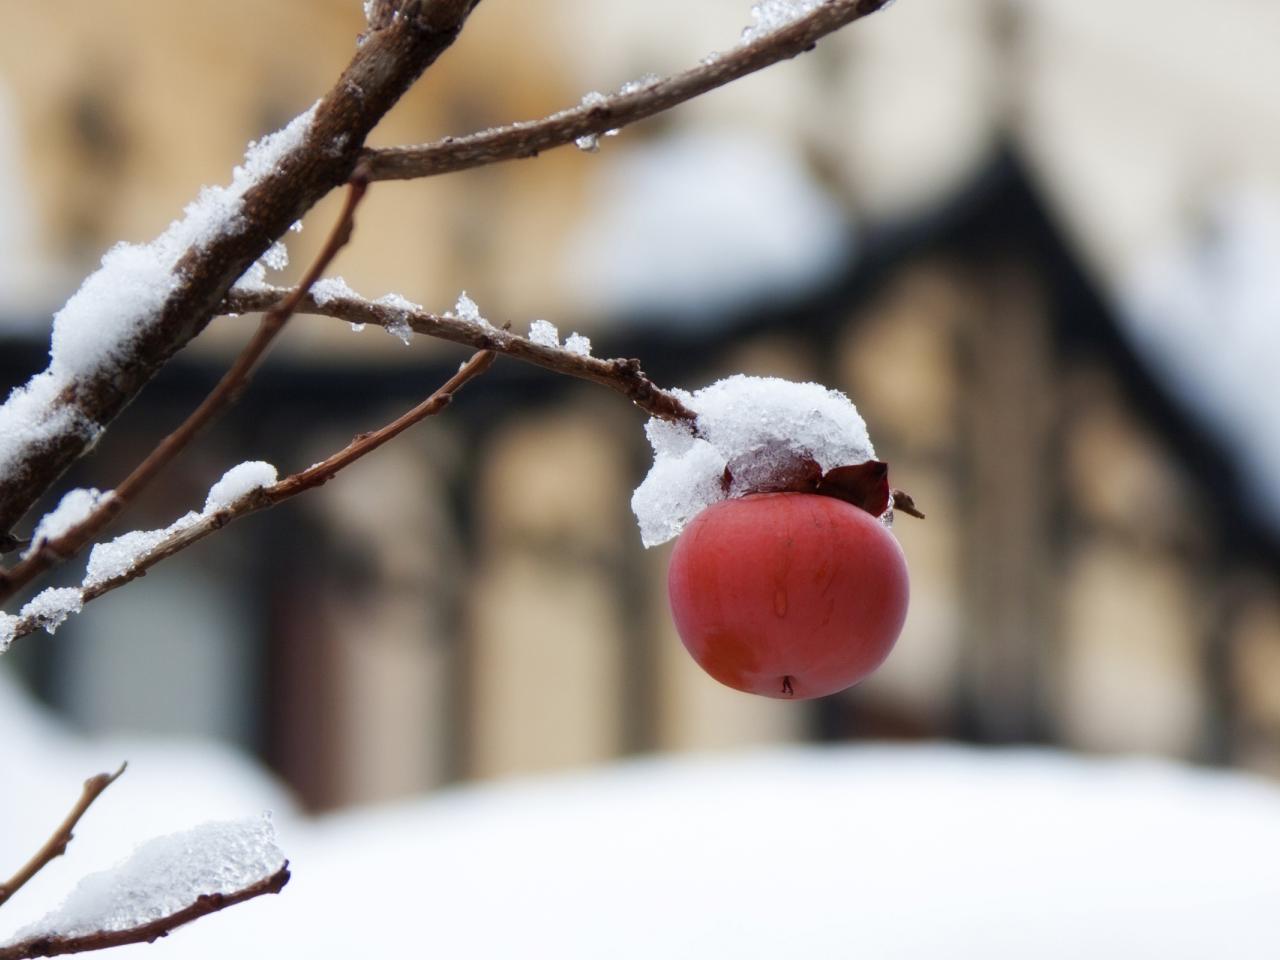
(398, 326)
(277, 256)
(591, 141)
(635, 86)
(771, 15)
(50, 608)
(164, 876)
(578, 344)
(118, 557)
(327, 290)
(544, 333)
(759, 430)
(240, 480)
(72, 509)
(466, 309)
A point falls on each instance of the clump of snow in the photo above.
(33, 415)
(166, 875)
(74, 507)
(277, 256)
(466, 309)
(117, 557)
(8, 626)
(759, 429)
(240, 480)
(328, 289)
(110, 310)
(590, 142)
(50, 608)
(641, 83)
(701, 224)
(544, 333)
(94, 331)
(398, 326)
(578, 344)
(770, 15)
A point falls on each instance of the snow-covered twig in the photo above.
(622, 375)
(168, 882)
(49, 553)
(599, 116)
(48, 424)
(182, 535)
(54, 946)
(56, 845)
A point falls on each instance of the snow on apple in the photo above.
(784, 582)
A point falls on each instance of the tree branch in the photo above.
(531, 137)
(55, 946)
(623, 375)
(291, 486)
(383, 68)
(51, 553)
(56, 845)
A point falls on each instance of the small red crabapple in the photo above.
(788, 595)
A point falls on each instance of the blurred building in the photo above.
(929, 212)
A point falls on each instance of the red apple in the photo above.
(788, 595)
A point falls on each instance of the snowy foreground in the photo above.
(869, 852)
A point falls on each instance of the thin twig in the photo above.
(904, 503)
(56, 845)
(529, 138)
(261, 499)
(622, 375)
(55, 946)
(233, 382)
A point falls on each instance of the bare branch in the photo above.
(290, 486)
(622, 375)
(56, 845)
(51, 553)
(529, 138)
(902, 502)
(383, 68)
(54, 946)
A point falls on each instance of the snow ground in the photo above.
(868, 851)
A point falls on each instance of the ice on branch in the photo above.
(771, 15)
(164, 876)
(50, 608)
(544, 333)
(466, 309)
(74, 507)
(119, 557)
(240, 480)
(95, 331)
(328, 289)
(754, 433)
(402, 307)
(591, 142)
(576, 343)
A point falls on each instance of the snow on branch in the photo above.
(573, 359)
(78, 519)
(245, 489)
(168, 290)
(772, 39)
(168, 882)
